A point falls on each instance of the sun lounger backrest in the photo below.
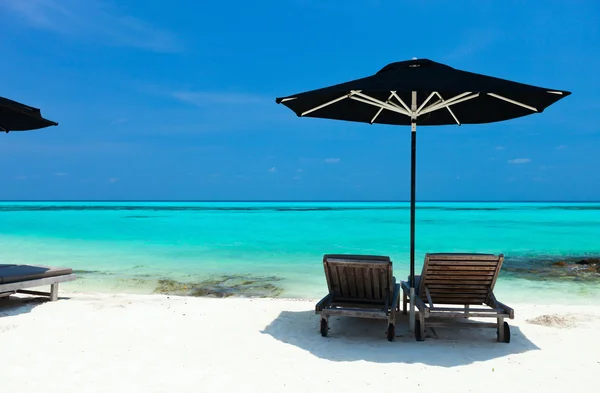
(359, 277)
(17, 273)
(459, 278)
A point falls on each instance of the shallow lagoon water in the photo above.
(129, 246)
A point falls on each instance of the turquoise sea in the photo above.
(276, 248)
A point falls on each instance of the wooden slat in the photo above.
(454, 324)
(383, 279)
(350, 276)
(376, 284)
(463, 257)
(356, 312)
(447, 268)
(335, 280)
(349, 262)
(461, 315)
(456, 290)
(459, 279)
(349, 301)
(463, 263)
(368, 279)
(436, 273)
(455, 286)
(359, 276)
(459, 294)
(458, 298)
(465, 310)
(343, 281)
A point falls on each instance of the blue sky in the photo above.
(176, 100)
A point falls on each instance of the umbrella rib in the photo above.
(376, 102)
(427, 100)
(449, 110)
(380, 105)
(380, 109)
(498, 96)
(440, 104)
(330, 102)
(401, 102)
(450, 102)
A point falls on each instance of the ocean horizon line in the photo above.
(291, 201)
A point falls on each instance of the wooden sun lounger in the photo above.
(458, 279)
(15, 278)
(359, 286)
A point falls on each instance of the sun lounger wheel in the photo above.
(324, 327)
(506, 333)
(391, 332)
(418, 331)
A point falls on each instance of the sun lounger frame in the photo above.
(19, 286)
(459, 279)
(360, 286)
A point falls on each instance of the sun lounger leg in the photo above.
(500, 329)
(54, 292)
(404, 302)
(411, 317)
(420, 334)
(324, 325)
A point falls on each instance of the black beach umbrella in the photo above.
(15, 116)
(425, 93)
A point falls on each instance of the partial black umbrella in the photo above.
(15, 116)
(425, 93)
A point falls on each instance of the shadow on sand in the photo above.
(352, 339)
(15, 305)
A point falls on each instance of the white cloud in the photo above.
(92, 20)
(113, 179)
(520, 161)
(500, 148)
(273, 170)
(332, 160)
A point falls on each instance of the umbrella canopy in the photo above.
(15, 116)
(425, 93)
(386, 97)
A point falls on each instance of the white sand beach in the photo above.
(89, 342)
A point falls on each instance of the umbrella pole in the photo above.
(413, 164)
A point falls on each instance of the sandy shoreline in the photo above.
(92, 342)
